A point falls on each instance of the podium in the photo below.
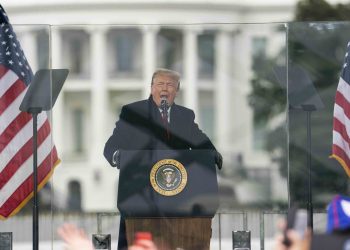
(171, 193)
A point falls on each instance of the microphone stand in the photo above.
(35, 112)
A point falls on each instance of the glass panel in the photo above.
(229, 78)
(234, 80)
(259, 101)
(230, 84)
(316, 57)
(24, 50)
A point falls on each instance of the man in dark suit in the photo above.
(156, 123)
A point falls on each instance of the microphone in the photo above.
(164, 112)
(164, 103)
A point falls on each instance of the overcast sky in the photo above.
(248, 2)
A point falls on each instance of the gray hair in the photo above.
(171, 73)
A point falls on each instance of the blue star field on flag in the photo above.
(11, 53)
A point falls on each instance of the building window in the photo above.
(259, 45)
(76, 52)
(125, 46)
(169, 48)
(206, 112)
(74, 198)
(77, 125)
(78, 116)
(206, 55)
(42, 40)
(260, 135)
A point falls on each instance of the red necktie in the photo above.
(166, 123)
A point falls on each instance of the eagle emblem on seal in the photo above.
(168, 177)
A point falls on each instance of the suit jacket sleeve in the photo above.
(118, 138)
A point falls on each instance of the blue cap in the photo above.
(338, 213)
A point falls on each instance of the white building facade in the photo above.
(112, 48)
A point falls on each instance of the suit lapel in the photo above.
(155, 118)
(175, 119)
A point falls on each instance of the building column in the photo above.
(98, 43)
(58, 109)
(241, 53)
(149, 56)
(222, 89)
(191, 69)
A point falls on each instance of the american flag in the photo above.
(341, 122)
(16, 128)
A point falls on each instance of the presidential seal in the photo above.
(168, 177)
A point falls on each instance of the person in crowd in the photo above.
(338, 215)
(338, 223)
(297, 242)
(74, 238)
(156, 123)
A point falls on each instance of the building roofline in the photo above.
(68, 6)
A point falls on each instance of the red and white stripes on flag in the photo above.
(341, 119)
(16, 146)
(16, 128)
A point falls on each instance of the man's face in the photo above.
(164, 85)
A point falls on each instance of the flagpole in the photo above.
(35, 112)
